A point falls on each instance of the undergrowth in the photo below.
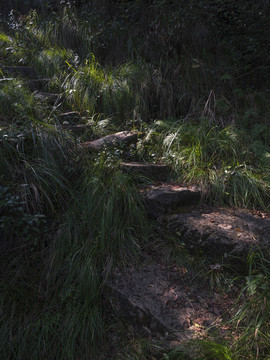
(231, 166)
(68, 217)
(77, 223)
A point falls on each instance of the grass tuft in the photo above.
(225, 162)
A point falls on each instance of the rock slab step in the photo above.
(166, 198)
(158, 299)
(48, 97)
(122, 137)
(79, 129)
(222, 231)
(25, 71)
(69, 116)
(38, 84)
(155, 172)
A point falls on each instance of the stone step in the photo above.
(34, 84)
(25, 71)
(159, 299)
(122, 137)
(168, 197)
(38, 84)
(49, 97)
(79, 129)
(221, 232)
(69, 116)
(155, 172)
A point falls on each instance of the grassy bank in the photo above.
(67, 216)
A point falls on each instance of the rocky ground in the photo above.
(165, 302)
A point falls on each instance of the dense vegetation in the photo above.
(193, 77)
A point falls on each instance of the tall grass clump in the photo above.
(16, 102)
(70, 224)
(66, 28)
(103, 224)
(49, 308)
(36, 162)
(54, 61)
(20, 43)
(252, 318)
(35, 172)
(118, 92)
(13, 50)
(230, 165)
(47, 317)
(126, 97)
(23, 43)
(113, 210)
(84, 86)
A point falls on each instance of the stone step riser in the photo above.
(117, 139)
(222, 233)
(24, 71)
(153, 172)
(38, 84)
(168, 198)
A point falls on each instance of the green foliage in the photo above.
(50, 317)
(94, 89)
(253, 315)
(16, 101)
(114, 210)
(37, 162)
(229, 165)
(12, 50)
(15, 222)
(53, 61)
(210, 71)
(104, 223)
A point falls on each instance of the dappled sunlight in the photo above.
(135, 180)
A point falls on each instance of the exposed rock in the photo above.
(69, 116)
(79, 129)
(49, 97)
(38, 84)
(222, 231)
(159, 200)
(34, 84)
(156, 172)
(158, 299)
(122, 137)
(25, 71)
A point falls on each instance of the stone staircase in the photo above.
(40, 89)
(118, 139)
(23, 71)
(156, 298)
(162, 301)
(176, 207)
(222, 231)
(153, 172)
(29, 76)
